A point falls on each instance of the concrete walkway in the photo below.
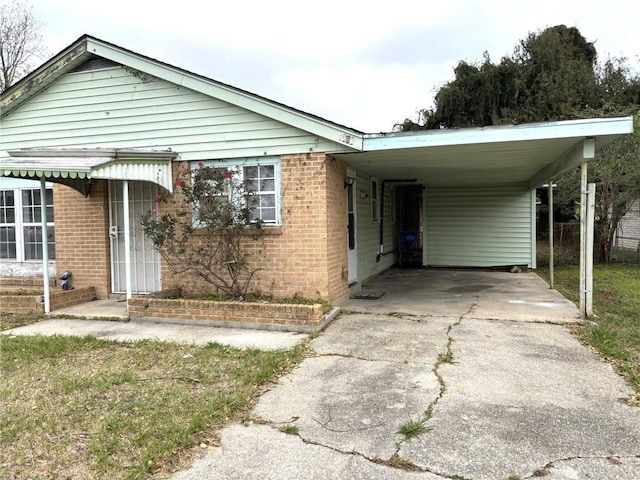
(165, 332)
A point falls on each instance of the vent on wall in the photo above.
(96, 63)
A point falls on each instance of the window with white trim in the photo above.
(262, 177)
(21, 227)
(375, 199)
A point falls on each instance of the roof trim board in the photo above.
(584, 128)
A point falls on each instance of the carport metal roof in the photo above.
(528, 154)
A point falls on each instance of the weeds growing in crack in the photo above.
(403, 463)
(413, 428)
(446, 357)
(398, 462)
(314, 335)
(289, 429)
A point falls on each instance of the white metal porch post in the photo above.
(45, 245)
(127, 238)
(587, 209)
(550, 202)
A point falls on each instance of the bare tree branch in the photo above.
(20, 42)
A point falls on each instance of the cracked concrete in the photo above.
(359, 402)
(620, 468)
(519, 399)
(520, 395)
(450, 293)
(260, 452)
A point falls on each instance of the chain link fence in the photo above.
(626, 244)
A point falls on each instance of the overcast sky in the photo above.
(363, 64)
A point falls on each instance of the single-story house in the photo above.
(107, 127)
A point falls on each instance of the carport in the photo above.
(487, 178)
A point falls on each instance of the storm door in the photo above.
(145, 261)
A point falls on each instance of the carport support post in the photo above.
(587, 209)
(591, 210)
(45, 244)
(550, 233)
(127, 239)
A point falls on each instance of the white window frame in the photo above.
(374, 196)
(237, 167)
(20, 224)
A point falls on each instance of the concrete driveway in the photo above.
(492, 372)
(477, 293)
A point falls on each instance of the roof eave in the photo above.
(604, 129)
(46, 74)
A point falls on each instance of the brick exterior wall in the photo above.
(37, 282)
(228, 313)
(306, 256)
(28, 302)
(82, 236)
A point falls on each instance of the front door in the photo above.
(145, 262)
(351, 226)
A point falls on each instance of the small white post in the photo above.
(550, 233)
(127, 239)
(45, 244)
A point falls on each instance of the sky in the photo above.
(364, 64)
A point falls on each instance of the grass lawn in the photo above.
(615, 331)
(87, 408)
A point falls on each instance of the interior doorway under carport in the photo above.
(410, 225)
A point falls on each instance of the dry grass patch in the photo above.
(15, 320)
(87, 408)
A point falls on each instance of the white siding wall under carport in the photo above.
(368, 232)
(479, 227)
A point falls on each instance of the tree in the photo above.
(203, 232)
(20, 42)
(616, 173)
(553, 75)
(550, 76)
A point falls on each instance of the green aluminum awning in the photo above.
(76, 168)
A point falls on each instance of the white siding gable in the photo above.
(119, 107)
